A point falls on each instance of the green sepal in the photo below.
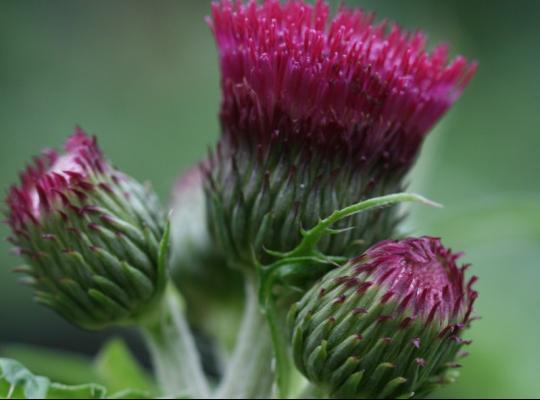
(352, 384)
(317, 359)
(153, 308)
(342, 373)
(390, 388)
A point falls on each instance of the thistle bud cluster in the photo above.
(322, 117)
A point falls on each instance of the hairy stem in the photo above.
(249, 373)
(173, 351)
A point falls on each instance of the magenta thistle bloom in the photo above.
(89, 233)
(345, 85)
(388, 323)
(318, 113)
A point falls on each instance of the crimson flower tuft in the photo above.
(346, 84)
(318, 113)
(90, 235)
(387, 324)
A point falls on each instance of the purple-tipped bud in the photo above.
(317, 113)
(90, 235)
(407, 336)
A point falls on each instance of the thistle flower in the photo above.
(387, 324)
(90, 235)
(317, 114)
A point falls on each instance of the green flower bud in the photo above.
(90, 235)
(387, 324)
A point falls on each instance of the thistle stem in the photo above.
(173, 351)
(249, 373)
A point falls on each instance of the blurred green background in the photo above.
(143, 76)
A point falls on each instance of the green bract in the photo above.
(262, 200)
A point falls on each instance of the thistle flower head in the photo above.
(317, 113)
(387, 324)
(344, 84)
(89, 233)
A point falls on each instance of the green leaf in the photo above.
(88, 391)
(118, 369)
(59, 366)
(17, 382)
